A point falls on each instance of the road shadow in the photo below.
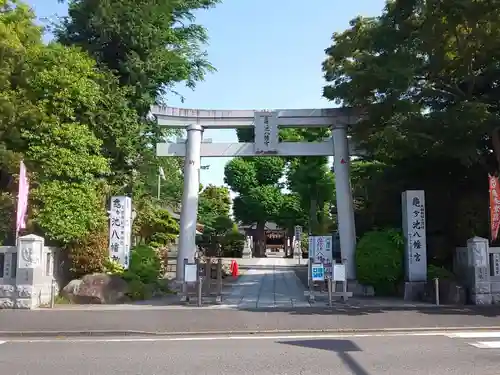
(341, 347)
(486, 311)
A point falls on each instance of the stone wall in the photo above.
(28, 279)
(478, 268)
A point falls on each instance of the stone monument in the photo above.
(247, 249)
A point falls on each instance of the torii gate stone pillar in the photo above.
(266, 125)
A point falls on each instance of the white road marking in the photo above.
(475, 335)
(486, 344)
(229, 337)
(312, 336)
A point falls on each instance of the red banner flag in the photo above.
(494, 206)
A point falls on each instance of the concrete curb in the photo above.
(116, 333)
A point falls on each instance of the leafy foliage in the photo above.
(79, 118)
(379, 260)
(425, 75)
(154, 226)
(222, 239)
(149, 45)
(214, 202)
(260, 198)
(143, 273)
(90, 254)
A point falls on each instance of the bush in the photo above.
(113, 268)
(145, 265)
(89, 255)
(233, 244)
(379, 260)
(440, 273)
(143, 272)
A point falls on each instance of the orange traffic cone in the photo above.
(234, 269)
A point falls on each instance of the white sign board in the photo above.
(339, 273)
(190, 273)
(320, 250)
(317, 272)
(120, 230)
(266, 133)
(414, 229)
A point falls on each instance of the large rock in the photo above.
(98, 288)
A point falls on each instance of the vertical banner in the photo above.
(120, 230)
(414, 228)
(22, 199)
(494, 206)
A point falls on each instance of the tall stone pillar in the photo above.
(345, 206)
(189, 209)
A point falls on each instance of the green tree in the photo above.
(291, 213)
(312, 180)
(259, 197)
(214, 202)
(49, 95)
(424, 73)
(149, 46)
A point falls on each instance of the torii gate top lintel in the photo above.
(230, 119)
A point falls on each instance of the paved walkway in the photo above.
(269, 284)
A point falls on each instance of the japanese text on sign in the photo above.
(266, 133)
(494, 206)
(120, 222)
(417, 228)
(414, 224)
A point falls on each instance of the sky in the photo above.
(267, 53)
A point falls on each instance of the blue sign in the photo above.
(318, 272)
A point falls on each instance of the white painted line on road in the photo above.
(2, 342)
(486, 344)
(474, 335)
(226, 338)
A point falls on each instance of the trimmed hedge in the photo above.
(379, 260)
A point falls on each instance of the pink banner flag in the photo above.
(22, 199)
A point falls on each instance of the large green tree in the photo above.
(50, 96)
(149, 46)
(214, 202)
(425, 73)
(257, 182)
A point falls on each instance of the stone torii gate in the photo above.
(266, 124)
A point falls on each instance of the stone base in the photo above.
(246, 255)
(414, 290)
(481, 299)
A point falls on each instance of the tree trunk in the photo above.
(260, 248)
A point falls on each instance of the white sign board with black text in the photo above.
(414, 230)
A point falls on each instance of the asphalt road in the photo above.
(203, 320)
(368, 355)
